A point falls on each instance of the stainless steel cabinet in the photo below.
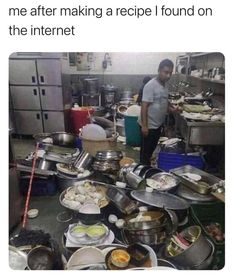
(25, 97)
(22, 72)
(54, 122)
(51, 98)
(28, 122)
(40, 93)
(49, 72)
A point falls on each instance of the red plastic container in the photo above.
(80, 117)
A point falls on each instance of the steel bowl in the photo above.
(144, 170)
(64, 182)
(40, 258)
(175, 179)
(109, 155)
(152, 172)
(165, 263)
(196, 253)
(147, 237)
(63, 139)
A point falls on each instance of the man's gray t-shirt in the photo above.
(157, 95)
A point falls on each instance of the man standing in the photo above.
(154, 108)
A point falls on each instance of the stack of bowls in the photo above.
(107, 161)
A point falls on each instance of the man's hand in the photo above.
(175, 109)
(145, 131)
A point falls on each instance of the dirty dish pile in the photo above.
(86, 197)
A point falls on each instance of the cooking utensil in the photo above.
(139, 254)
(160, 176)
(40, 258)
(121, 200)
(109, 155)
(111, 266)
(138, 168)
(196, 253)
(120, 128)
(84, 160)
(203, 189)
(194, 197)
(63, 139)
(158, 220)
(134, 181)
(64, 182)
(86, 218)
(160, 200)
(165, 263)
(144, 170)
(17, 258)
(44, 164)
(152, 172)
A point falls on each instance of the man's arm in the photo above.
(144, 118)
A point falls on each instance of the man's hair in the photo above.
(146, 79)
(166, 63)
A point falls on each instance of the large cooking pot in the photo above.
(196, 253)
(65, 182)
(86, 218)
(157, 220)
(162, 225)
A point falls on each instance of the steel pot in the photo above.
(66, 182)
(138, 168)
(109, 155)
(84, 160)
(44, 164)
(147, 237)
(194, 255)
(120, 128)
(163, 262)
(133, 180)
(158, 220)
(152, 172)
(63, 139)
(144, 170)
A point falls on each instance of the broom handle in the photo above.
(30, 187)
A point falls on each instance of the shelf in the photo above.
(207, 79)
(198, 54)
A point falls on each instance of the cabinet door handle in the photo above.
(35, 91)
(33, 79)
(43, 91)
(42, 78)
(46, 116)
(38, 116)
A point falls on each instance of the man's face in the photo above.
(165, 73)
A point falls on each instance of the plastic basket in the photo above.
(168, 161)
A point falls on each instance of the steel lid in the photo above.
(160, 200)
